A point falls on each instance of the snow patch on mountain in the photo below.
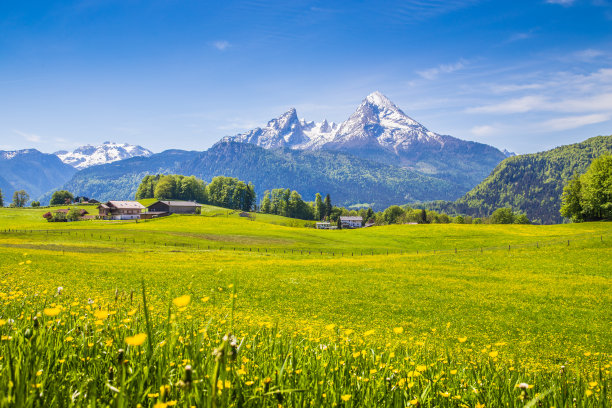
(108, 152)
(376, 122)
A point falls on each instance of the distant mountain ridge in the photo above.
(32, 171)
(379, 130)
(108, 152)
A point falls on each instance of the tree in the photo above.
(266, 204)
(522, 219)
(589, 197)
(1, 199)
(502, 216)
(572, 193)
(392, 214)
(422, 217)
(328, 206)
(74, 214)
(59, 197)
(20, 198)
(319, 207)
(35, 204)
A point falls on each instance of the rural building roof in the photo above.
(132, 205)
(63, 210)
(343, 218)
(178, 203)
(323, 222)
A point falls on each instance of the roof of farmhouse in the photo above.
(132, 205)
(351, 218)
(178, 203)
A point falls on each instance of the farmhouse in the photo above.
(350, 222)
(323, 225)
(121, 210)
(173, 207)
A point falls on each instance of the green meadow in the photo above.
(401, 315)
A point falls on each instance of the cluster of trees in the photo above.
(172, 186)
(589, 197)
(289, 203)
(20, 199)
(61, 197)
(228, 192)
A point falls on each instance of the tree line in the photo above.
(228, 192)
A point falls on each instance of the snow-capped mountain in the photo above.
(379, 130)
(86, 156)
(288, 131)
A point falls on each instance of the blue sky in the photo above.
(521, 75)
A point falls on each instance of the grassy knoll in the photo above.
(404, 329)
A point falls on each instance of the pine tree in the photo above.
(1, 199)
(319, 207)
(328, 206)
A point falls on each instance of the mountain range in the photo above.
(378, 130)
(108, 152)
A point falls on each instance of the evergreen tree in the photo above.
(1, 199)
(319, 207)
(328, 206)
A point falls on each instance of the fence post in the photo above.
(455, 250)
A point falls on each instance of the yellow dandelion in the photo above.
(330, 326)
(588, 393)
(493, 354)
(398, 330)
(51, 311)
(136, 340)
(182, 301)
(131, 312)
(369, 333)
(462, 339)
(346, 397)
(101, 314)
(593, 384)
(445, 394)
(2, 322)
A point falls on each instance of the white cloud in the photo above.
(572, 122)
(432, 73)
(516, 105)
(561, 2)
(30, 137)
(484, 130)
(221, 45)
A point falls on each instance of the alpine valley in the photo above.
(379, 156)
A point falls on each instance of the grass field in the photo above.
(309, 317)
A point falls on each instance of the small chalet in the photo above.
(121, 210)
(162, 208)
(323, 225)
(351, 222)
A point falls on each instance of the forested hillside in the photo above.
(532, 183)
(348, 179)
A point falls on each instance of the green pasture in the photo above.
(540, 296)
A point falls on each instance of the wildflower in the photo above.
(101, 314)
(51, 311)
(462, 339)
(523, 386)
(588, 393)
(593, 384)
(59, 290)
(445, 394)
(2, 322)
(136, 340)
(346, 397)
(369, 333)
(493, 354)
(398, 330)
(182, 301)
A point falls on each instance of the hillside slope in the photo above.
(533, 183)
(348, 179)
(32, 171)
